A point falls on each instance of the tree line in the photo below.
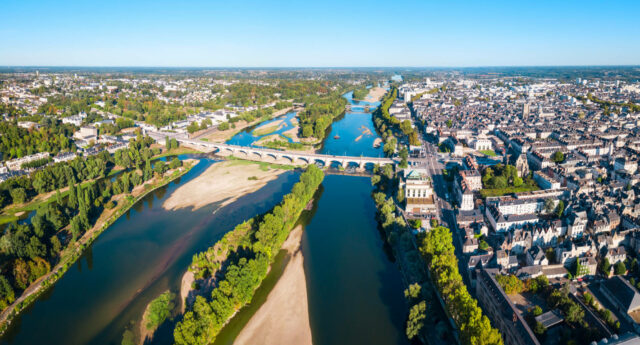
(29, 250)
(239, 262)
(389, 127)
(360, 93)
(52, 137)
(475, 328)
(319, 114)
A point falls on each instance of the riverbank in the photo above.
(284, 317)
(237, 274)
(223, 182)
(69, 256)
(222, 136)
(374, 95)
(268, 128)
(162, 307)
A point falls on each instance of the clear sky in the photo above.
(238, 33)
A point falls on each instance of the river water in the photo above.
(354, 289)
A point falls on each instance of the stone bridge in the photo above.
(365, 108)
(263, 154)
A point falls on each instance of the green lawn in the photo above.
(489, 192)
(263, 165)
(489, 153)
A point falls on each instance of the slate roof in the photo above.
(625, 294)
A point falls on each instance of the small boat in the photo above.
(336, 137)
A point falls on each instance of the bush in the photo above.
(510, 284)
(159, 310)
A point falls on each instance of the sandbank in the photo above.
(283, 319)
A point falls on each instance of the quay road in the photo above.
(445, 212)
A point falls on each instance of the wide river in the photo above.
(354, 289)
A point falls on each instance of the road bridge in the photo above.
(264, 154)
(354, 107)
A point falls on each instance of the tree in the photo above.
(588, 299)
(193, 127)
(223, 126)
(160, 309)
(537, 311)
(605, 266)
(558, 157)
(539, 328)
(559, 209)
(413, 292)
(510, 284)
(404, 154)
(415, 323)
(620, 268)
(7, 295)
(548, 205)
(19, 195)
(147, 173)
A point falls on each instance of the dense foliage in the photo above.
(319, 115)
(29, 250)
(52, 137)
(475, 328)
(159, 310)
(239, 262)
(503, 179)
(360, 93)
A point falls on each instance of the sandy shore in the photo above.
(222, 182)
(268, 128)
(222, 136)
(293, 134)
(268, 138)
(283, 319)
(375, 94)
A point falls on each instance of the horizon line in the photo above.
(311, 67)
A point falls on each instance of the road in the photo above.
(444, 211)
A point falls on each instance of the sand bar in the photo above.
(223, 182)
(268, 128)
(283, 319)
(375, 94)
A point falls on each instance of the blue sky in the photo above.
(319, 33)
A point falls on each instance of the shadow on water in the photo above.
(137, 258)
(240, 320)
(355, 292)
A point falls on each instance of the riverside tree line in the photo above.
(389, 127)
(239, 263)
(28, 250)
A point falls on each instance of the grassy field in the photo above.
(489, 153)
(263, 165)
(503, 191)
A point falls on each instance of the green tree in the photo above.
(559, 209)
(413, 292)
(558, 157)
(18, 195)
(415, 323)
(404, 155)
(605, 266)
(159, 310)
(620, 268)
(537, 311)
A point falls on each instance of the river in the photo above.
(142, 254)
(355, 292)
